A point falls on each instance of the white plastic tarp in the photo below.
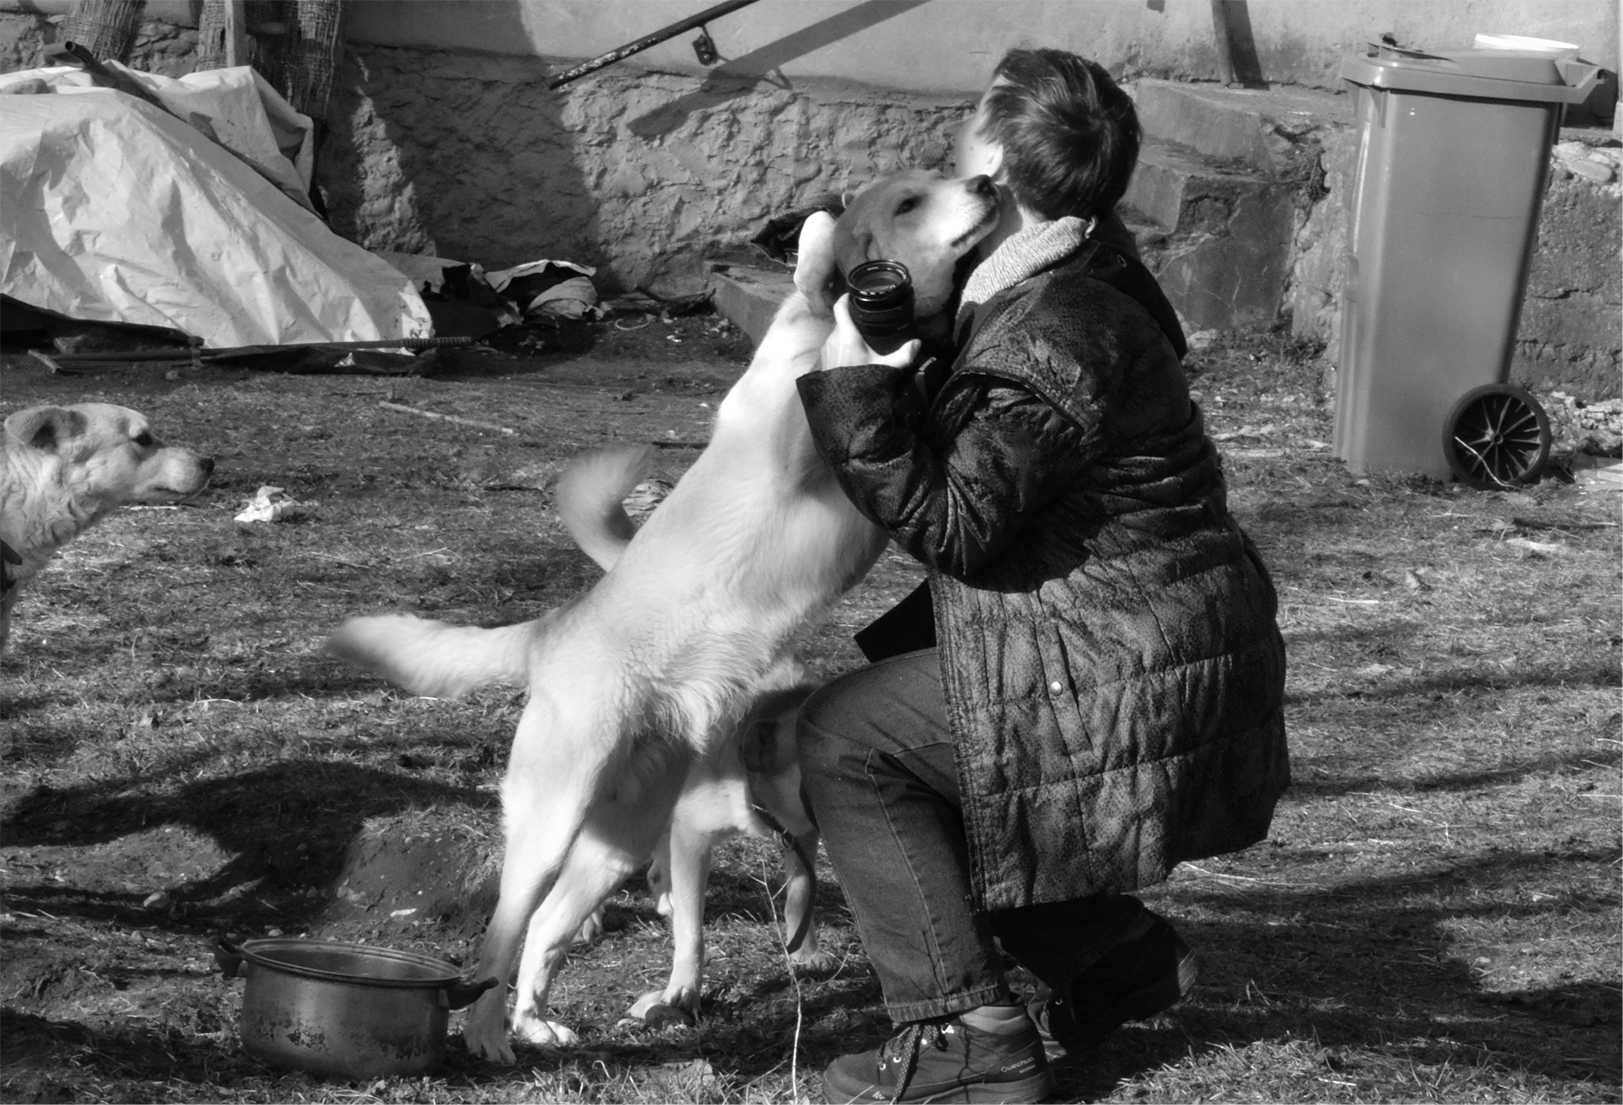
(112, 210)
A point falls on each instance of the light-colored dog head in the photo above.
(921, 219)
(62, 469)
(97, 456)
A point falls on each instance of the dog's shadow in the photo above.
(284, 830)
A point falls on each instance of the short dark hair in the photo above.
(1069, 134)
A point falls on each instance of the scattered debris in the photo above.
(549, 289)
(437, 416)
(1592, 427)
(1537, 548)
(272, 504)
(641, 500)
(1571, 524)
(54, 368)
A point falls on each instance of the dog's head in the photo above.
(921, 219)
(103, 456)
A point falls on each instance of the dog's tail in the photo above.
(434, 658)
(590, 495)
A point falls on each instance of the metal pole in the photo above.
(637, 46)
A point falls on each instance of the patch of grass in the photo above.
(1435, 916)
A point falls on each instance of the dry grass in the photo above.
(1434, 917)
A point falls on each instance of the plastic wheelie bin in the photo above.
(1453, 156)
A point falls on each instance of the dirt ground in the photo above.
(1435, 915)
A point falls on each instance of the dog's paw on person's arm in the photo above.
(845, 345)
(815, 269)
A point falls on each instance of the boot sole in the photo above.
(1141, 1004)
(1035, 1088)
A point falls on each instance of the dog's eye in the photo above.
(145, 439)
(909, 204)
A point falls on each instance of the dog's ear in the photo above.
(814, 268)
(45, 428)
(758, 747)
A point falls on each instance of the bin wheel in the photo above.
(1497, 436)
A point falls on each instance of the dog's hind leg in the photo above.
(615, 840)
(687, 853)
(593, 871)
(545, 798)
(527, 869)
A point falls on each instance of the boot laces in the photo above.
(904, 1048)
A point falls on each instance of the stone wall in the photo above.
(1572, 316)
(642, 173)
(638, 173)
(1571, 330)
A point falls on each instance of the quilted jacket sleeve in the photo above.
(956, 499)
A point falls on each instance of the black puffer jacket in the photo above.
(1111, 659)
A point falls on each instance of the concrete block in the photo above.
(748, 296)
(1175, 189)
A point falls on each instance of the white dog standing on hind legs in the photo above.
(658, 662)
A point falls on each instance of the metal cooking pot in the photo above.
(344, 1009)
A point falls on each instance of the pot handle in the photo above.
(228, 955)
(464, 991)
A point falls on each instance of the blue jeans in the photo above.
(877, 757)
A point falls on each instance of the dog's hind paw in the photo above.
(653, 1010)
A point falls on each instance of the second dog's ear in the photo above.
(45, 428)
(814, 267)
(757, 747)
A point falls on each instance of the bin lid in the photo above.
(1522, 75)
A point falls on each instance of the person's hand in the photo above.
(845, 346)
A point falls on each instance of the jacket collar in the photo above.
(1021, 256)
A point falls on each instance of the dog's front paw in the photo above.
(814, 263)
(484, 1033)
(540, 1032)
(654, 1010)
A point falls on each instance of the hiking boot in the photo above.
(991, 1054)
(1137, 978)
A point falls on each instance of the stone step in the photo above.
(1260, 130)
(1221, 176)
(1174, 188)
(748, 295)
(1218, 239)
